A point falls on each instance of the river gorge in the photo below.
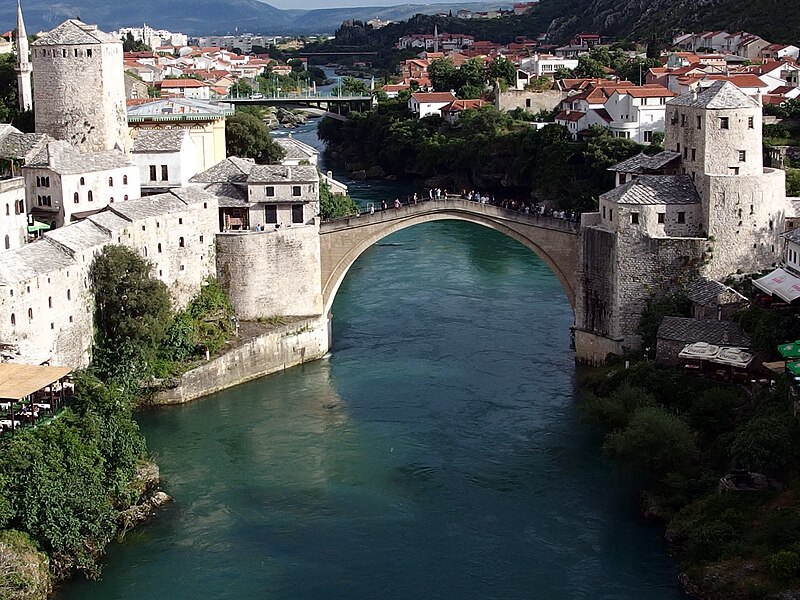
(438, 452)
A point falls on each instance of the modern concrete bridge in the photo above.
(342, 241)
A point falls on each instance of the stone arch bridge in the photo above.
(342, 241)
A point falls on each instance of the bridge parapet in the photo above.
(448, 206)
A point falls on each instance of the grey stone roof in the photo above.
(65, 159)
(20, 146)
(706, 291)
(230, 170)
(793, 235)
(655, 189)
(79, 236)
(641, 163)
(711, 331)
(75, 32)
(793, 210)
(109, 221)
(228, 195)
(159, 140)
(719, 95)
(31, 260)
(283, 174)
(175, 200)
(296, 149)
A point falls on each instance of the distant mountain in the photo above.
(196, 17)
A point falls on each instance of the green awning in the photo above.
(38, 226)
(793, 368)
(791, 350)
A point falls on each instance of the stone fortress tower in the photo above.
(24, 66)
(79, 87)
(704, 208)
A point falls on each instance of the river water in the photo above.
(438, 453)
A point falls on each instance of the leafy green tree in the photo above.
(502, 69)
(764, 442)
(792, 182)
(9, 99)
(247, 136)
(589, 67)
(563, 73)
(240, 89)
(132, 308)
(654, 440)
(472, 73)
(443, 74)
(334, 206)
(351, 86)
(131, 45)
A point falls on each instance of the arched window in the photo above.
(69, 295)
(13, 319)
(124, 180)
(126, 197)
(159, 248)
(83, 181)
(30, 314)
(181, 243)
(111, 200)
(76, 197)
(8, 243)
(50, 302)
(89, 195)
(110, 182)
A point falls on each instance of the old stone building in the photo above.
(720, 214)
(64, 185)
(166, 158)
(46, 308)
(79, 90)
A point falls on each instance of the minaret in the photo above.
(435, 38)
(24, 67)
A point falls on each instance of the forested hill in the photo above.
(775, 20)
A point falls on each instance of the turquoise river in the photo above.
(437, 453)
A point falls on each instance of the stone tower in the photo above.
(24, 67)
(717, 131)
(79, 87)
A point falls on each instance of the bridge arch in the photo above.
(343, 241)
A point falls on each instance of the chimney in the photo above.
(330, 174)
(289, 173)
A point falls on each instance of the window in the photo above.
(8, 208)
(111, 200)
(30, 314)
(183, 267)
(152, 172)
(126, 197)
(110, 182)
(683, 120)
(648, 137)
(38, 181)
(63, 53)
(724, 123)
(144, 251)
(201, 239)
(678, 147)
(604, 212)
(734, 170)
(742, 155)
(269, 191)
(180, 220)
(699, 122)
(681, 217)
(83, 181)
(88, 53)
(296, 191)
(8, 243)
(271, 214)
(159, 248)
(694, 153)
(50, 302)
(19, 207)
(124, 180)
(634, 218)
(750, 123)
(685, 153)
(527, 102)
(297, 213)
(69, 295)
(661, 218)
(76, 197)
(622, 178)
(13, 319)
(89, 196)
(164, 172)
(181, 243)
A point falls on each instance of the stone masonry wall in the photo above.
(284, 347)
(271, 273)
(533, 102)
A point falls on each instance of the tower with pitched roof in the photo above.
(79, 87)
(24, 67)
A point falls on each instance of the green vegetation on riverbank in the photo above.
(485, 150)
(64, 483)
(686, 433)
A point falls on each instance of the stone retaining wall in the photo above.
(283, 347)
